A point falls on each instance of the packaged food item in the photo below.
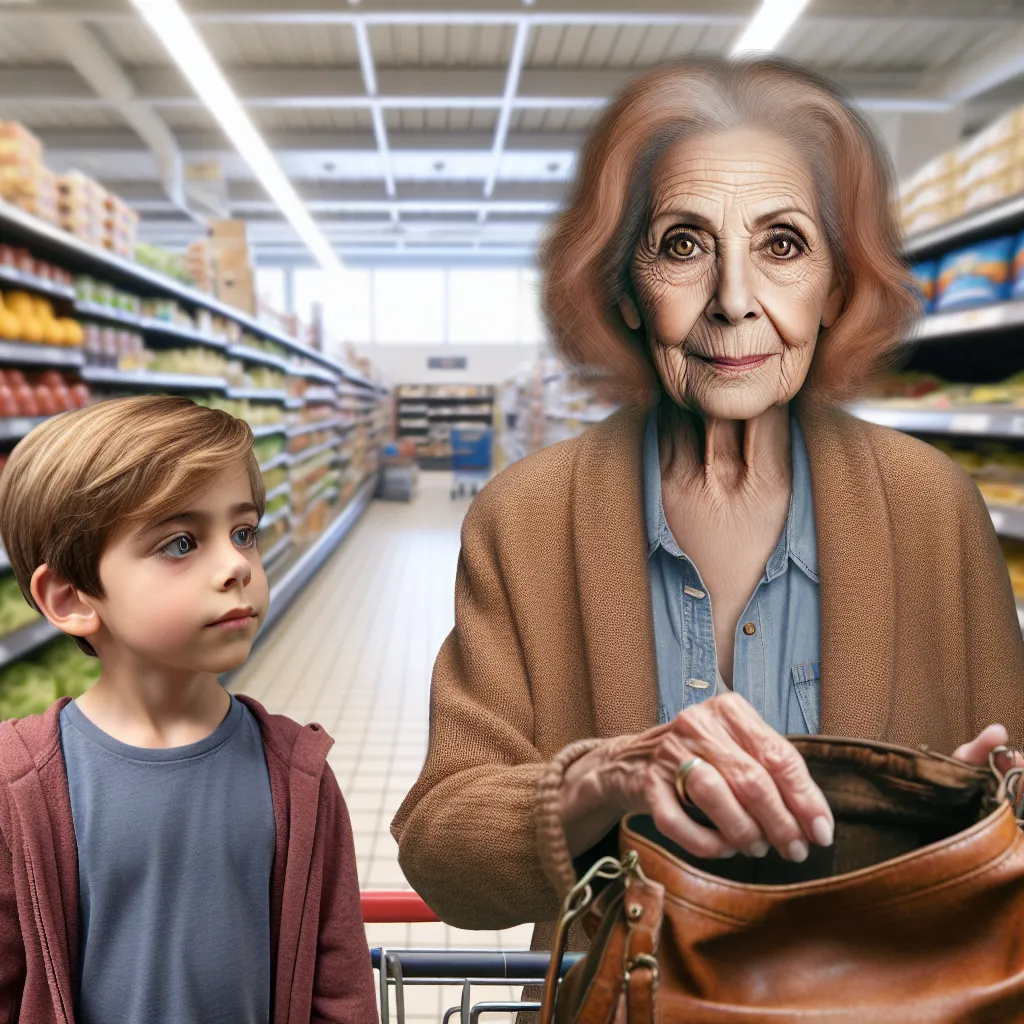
(925, 278)
(975, 275)
(1017, 288)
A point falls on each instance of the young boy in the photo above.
(168, 853)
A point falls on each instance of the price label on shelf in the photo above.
(970, 423)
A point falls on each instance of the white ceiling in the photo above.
(417, 129)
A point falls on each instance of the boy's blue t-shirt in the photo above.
(175, 853)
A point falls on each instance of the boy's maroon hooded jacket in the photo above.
(320, 964)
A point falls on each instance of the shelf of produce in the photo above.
(974, 421)
(1006, 216)
(308, 428)
(277, 492)
(257, 394)
(154, 325)
(313, 373)
(269, 430)
(306, 566)
(19, 643)
(280, 460)
(105, 264)
(97, 311)
(268, 520)
(315, 396)
(1008, 520)
(143, 379)
(297, 458)
(277, 550)
(31, 282)
(254, 355)
(995, 317)
(30, 354)
(446, 400)
(14, 428)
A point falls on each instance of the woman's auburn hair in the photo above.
(78, 478)
(585, 258)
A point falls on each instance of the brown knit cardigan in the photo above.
(553, 646)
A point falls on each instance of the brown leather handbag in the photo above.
(915, 914)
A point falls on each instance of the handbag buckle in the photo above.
(641, 960)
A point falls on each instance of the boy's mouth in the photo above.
(237, 618)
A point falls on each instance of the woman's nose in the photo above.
(733, 300)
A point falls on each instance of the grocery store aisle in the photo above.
(355, 653)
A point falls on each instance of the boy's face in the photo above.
(190, 593)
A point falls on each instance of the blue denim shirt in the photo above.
(776, 668)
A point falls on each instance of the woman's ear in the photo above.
(833, 305)
(629, 311)
(62, 603)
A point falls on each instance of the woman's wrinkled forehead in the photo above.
(707, 175)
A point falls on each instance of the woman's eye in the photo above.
(178, 548)
(682, 246)
(782, 247)
(245, 536)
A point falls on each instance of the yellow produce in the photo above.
(10, 325)
(30, 327)
(73, 333)
(53, 333)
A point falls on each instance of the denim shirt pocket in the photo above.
(807, 688)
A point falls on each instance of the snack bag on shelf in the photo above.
(975, 275)
(1017, 288)
(21, 158)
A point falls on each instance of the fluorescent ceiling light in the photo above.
(768, 26)
(169, 21)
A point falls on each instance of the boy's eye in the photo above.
(245, 536)
(179, 547)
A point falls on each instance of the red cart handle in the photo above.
(399, 907)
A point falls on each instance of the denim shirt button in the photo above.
(750, 629)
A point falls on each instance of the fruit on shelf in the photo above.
(30, 327)
(58, 670)
(10, 324)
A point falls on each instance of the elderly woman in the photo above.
(644, 613)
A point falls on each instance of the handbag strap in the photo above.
(643, 909)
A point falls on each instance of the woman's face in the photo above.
(732, 276)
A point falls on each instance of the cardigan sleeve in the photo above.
(12, 949)
(479, 836)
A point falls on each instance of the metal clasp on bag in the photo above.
(1011, 781)
(641, 960)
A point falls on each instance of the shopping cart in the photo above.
(465, 968)
(471, 460)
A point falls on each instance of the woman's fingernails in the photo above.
(759, 849)
(798, 851)
(728, 852)
(821, 829)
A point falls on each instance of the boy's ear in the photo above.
(62, 604)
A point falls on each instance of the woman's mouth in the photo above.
(735, 364)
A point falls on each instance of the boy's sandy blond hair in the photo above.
(79, 477)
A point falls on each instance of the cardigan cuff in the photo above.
(552, 847)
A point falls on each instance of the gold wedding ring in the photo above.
(684, 769)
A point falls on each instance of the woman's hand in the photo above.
(978, 750)
(753, 786)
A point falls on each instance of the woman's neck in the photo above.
(726, 456)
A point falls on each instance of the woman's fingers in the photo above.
(760, 784)
(672, 821)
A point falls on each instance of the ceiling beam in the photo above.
(995, 66)
(509, 12)
(454, 88)
(380, 132)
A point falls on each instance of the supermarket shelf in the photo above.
(5, 562)
(320, 395)
(32, 283)
(976, 421)
(994, 317)
(277, 550)
(102, 262)
(97, 311)
(1020, 613)
(278, 491)
(30, 354)
(254, 355)
(1008, 520)
(282, 459)
(294, 403)
(308, 428)
(1003, 216)
(16, 645)
(297, 458)
(268, 520)
(580, 415)
(313, 373)
(154, 325)
(306, 567)
(269, 430)
(140, 378)
(16, 427)
(258, 394)
(446, 400)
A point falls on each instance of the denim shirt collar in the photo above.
(798, 541)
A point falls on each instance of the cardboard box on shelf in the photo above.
(238, 290)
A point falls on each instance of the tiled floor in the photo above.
(355, 653)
